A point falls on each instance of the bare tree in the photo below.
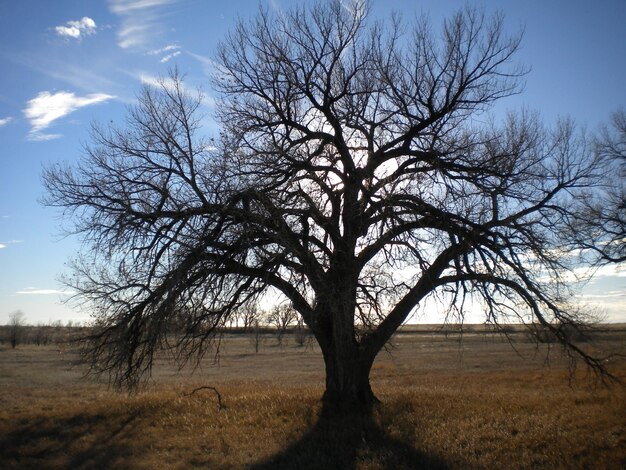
(257, 336)
(354, 175)
(599, 223)
(42, 334)
(302, 333)
(16, 327)
(250, 314)
(282, 316)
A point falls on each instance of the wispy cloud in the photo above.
(356, 7)
(5, 121)
(166, 53)
(617, 270)
(35, 291)
(10, 242)
(159, 81)
(46, 107)
(76, 29)
(168, 83)
(164, 50)
(275, 6)
(89, 75)
(209, 66)
(140, 21)
(605, 295)
(153, 81)
(39, 137)
(167, 57)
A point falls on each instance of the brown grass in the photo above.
(443, 406)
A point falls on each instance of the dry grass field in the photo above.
(446, 403)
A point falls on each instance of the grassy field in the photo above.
(447, 402)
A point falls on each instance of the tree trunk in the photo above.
(347, 362)
(348, 387)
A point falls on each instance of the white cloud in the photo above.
(35, 291)
(275, 5)
(613, 270)
(46, 107)
(168, 52)
(209, 66)
(163, 50)
(39, 137)
(153, 81)
(158, 82)
(356, 8)
(10, 242)
(140, 21)
(169, 56)
(169, 84)
(608, 295)
(5, 121)
(129, 6)
(75, 29)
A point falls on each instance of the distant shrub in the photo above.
(566, 331)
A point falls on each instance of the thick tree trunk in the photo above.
(348, 387)
(347, 362)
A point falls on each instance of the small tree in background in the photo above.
(282, 316)
(301, 333)
(257, 336)
(42, 334)
(250, 314)
(16, 327)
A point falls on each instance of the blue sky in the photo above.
(67, 63)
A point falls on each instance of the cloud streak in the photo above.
(5, 121)
(35, 291)
(167, 53)
(10, 242)
(140, 21)
(164, 50)
(47, 107)
(167, 57)
(76, 29)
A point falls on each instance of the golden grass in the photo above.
(446, 417)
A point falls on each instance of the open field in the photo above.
(446, 403)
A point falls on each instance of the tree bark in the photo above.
(348, 387)
(347, 364)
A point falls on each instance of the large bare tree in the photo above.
(357, 175)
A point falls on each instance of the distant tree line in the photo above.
(18, 332)
(279, 320)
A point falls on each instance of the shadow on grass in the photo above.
(347, 442)
(81, 441)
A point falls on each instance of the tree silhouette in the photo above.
(16, 327)
(598, 225)
(357, 174)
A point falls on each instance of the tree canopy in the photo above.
(358, 173)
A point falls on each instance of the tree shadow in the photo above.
(345, 441)
(82, 441)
